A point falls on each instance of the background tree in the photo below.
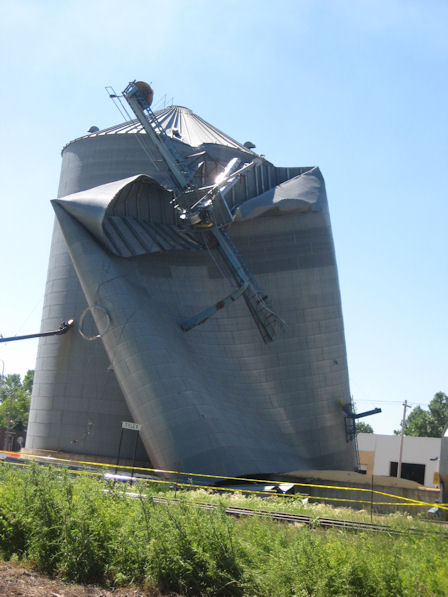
(16, 394)
(362, 427)
(430, 422)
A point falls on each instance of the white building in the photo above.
(379, 455)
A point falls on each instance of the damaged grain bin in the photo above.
(210, 275)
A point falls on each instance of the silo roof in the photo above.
(179, 123)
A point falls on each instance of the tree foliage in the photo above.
(362, 427)
(429, 422)
(15, 394)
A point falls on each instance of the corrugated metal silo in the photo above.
(215, 399)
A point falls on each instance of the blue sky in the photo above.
(358, 88)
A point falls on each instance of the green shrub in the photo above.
(88, 530)
(193, 551)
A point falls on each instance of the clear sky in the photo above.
(357, 87)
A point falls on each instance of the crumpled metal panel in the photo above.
(128, 237)
(301, 193)
(130, 217)
(216, 399)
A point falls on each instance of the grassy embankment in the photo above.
(72, 528)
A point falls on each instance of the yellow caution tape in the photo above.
(408, 501)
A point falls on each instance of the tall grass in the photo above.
(74, 529)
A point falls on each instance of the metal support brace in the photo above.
(204, 315)
(231, 298)
(63, 329)
(351, 415)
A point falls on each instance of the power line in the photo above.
(373, 401)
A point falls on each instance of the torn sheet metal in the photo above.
(301, 193)
(130, 217)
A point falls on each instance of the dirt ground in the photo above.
(17, 580)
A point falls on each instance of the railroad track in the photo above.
(299, 519)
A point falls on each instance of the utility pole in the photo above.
(403, 423)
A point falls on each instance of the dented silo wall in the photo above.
(215, 399)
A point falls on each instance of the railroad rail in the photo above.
(300, 519)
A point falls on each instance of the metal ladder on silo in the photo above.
(182, 174)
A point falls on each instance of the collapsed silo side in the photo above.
(217, 400)
(223, 402)
(77, 405)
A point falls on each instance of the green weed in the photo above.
(89, 530)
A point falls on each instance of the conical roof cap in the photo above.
(179, 123)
